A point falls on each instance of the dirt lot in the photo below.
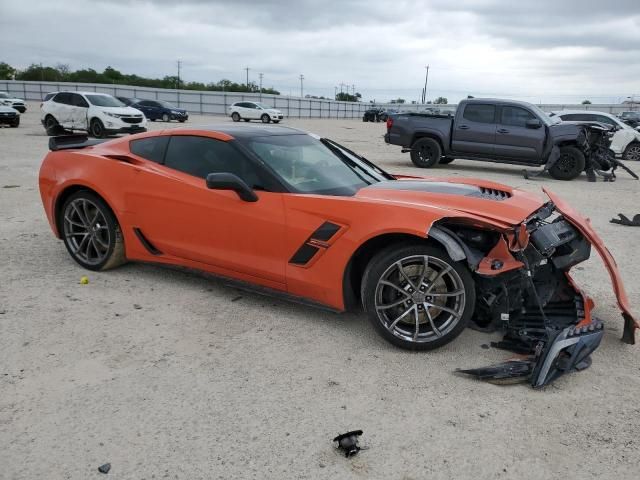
(168, 374)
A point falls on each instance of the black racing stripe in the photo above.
(304, 254)
(325, 231)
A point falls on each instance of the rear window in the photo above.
(151, 148)
(63, 97)
(48, 96)
(480, 113)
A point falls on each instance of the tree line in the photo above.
(62, 73)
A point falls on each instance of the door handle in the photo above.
(464, 127)
(503, 130)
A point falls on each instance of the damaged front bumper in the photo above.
(547, 320)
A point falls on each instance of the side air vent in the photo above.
(318, 240)
(493, 194)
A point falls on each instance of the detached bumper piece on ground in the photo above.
(624, 220)
(547, 320)
(348, 442)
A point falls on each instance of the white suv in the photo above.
(98, 114)
(254, 111)
(8, 101)
(626, 140)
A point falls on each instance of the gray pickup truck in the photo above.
(503, 131)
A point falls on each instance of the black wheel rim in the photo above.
(50, 122)
(86, 231)
(566, 163)
(425, 153)
(97, 129)
(420, 299)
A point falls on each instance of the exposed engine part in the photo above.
(348, 442)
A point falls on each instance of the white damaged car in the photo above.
(7, 100)
(98, 114)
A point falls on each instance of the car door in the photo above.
(60, 108)
(475, 130)
(79, 109)
(181, 217)
(514, 140)
(147, 107)
(253, 112)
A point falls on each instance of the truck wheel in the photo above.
(446, 160)
(425, 153)
(570, 164)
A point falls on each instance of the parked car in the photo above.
(129, 101)
(631, 118)
(385, 114)
(502, 131)
(254, 111)
(625, 141)
(302, 216)
(161, 110)
(373, 115)
(98, 114)
(7, 100)
(9, 116)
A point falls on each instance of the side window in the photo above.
(516, 116)
(480, 113)
(603, 119)
(573, 117)
(151, 148)
(146, 103)
(78, 101)
(200, 156)
(64, 98)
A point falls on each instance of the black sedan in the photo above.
(161, 110)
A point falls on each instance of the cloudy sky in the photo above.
(543, 50)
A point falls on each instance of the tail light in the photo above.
(389, 123)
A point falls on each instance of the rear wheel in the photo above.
(265, 118)
(97, 128)
(570, 164)
(425, 153)
(50, 124)
(416, 297)
(235, 116)
(632, 152)
(91, 232)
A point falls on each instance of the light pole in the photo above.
(426, 79)
(261, 75)
(301, 89)
(247, 69)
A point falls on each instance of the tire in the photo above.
(446, 160)
(50, 124)
(235, 116)
(96, 128)
(265, 118)
(84, 211)
(166, 117)
(425, 153)
(570, 164)
(407, 298)
(15, 123)
(632, 152)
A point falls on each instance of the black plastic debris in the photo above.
(348, 442)
(104, 468)
(511, 371)
(624, 220)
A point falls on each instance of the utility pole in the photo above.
(341, 86)
(426, 79)
(335, 93)
(247, 69)
(179, 65)
(301, 90)
(260, 75)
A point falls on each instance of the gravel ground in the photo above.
(170, 374)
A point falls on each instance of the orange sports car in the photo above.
(302, 216)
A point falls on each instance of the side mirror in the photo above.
(534, 123)
(229, 181)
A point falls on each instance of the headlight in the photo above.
(175, 112)
(114, 115)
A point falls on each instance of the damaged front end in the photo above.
(524, 289)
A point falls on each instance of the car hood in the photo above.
(13, 100)
(4, 109)
(121, 110)
(273, 110)
(493, 202)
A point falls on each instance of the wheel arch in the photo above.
(419, 135)
(66, 193)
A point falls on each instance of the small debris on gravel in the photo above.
(348, 442)
(10, 186)
(485, 346)
(84, 280)
(104, 468)
(235, 299)
(333, 383)
(137, 307)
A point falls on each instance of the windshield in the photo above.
(319, 166)
(165, 104)
(545, 117)
(104, 101)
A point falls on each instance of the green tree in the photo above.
(586, 102)
(7, 72)
(440, 101)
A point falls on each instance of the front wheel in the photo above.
(417, 297)
(570, 164)
(265, 118)
(426, 153)
(91, 232)
(632, 152)
(165, 117)
(97, 128)
(235, 116)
